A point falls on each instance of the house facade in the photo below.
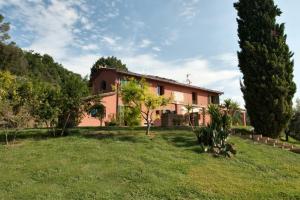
(182, 94)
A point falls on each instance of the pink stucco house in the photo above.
(182, 94)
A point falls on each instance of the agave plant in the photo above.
(214, 136)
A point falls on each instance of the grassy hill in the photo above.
(124, 164)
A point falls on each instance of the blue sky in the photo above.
(168, 38)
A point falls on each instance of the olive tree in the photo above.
(136, 94)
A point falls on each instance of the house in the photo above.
(182, 94)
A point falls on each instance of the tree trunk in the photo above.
(286, 136)
(63, 130)
(6, 136)
(148, 128)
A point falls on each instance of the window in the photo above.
(194, 98)
(103, 85)
(160, 90)
(213, 99)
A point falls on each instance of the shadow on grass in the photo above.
(34, 134)
(116, 136)
(183, 141)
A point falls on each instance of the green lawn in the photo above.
(124, 164)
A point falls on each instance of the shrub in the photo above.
(214, 136)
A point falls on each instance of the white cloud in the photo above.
(51, 24)
(156, 49)
(145, 43)
(202, 73)
(81, 64)
(229, 59)
(189, 9)
(109, 40)
(89, 47)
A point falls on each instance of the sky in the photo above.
(168, 38)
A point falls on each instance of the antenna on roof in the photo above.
(188, 81)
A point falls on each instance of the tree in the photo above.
(4, 28)
(294, 126)
(267, 66)
(136, 94)
(189, 108)
(98, 110)
(215, 135)
(297, 106)
(73, 90)
(46, 104)
(231, 108)
(110, 62)
(15, 98)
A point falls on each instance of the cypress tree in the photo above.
(267, 66)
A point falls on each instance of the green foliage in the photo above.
(137, 95)
(12, 59)
(294, 126)
(32, 65)
(267, 66)
(232, 110)
(44, 68)
(109, 62)
(297, 106)
(214, 136)
(15, 101)
(73, 89)
(46, 105)
(97, 110)
(4, 28)
(132, 116)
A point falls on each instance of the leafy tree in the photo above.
(294, 126)
(231, 108)
(132, 116)
(136, 94)
(73, 90)
(297, 106)
(98, 110)
(110, 62)
(46, 104)
(15, 98)
(190, 115)
(267, 66)
(4, 28)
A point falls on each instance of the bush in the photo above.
(295, 126)
(242, 130)
(214, 136)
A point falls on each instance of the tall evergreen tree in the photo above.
(267, 66)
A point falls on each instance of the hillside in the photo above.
(32, 65)
(126, 164)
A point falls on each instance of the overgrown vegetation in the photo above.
(267, 66)
(37, 91)
(137, 97)
(213, 137)
(294, 127)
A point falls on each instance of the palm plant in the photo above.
(189, 108)
(231, 108)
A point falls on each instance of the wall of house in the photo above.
(110, 107)
(184, 93)
(109, 76)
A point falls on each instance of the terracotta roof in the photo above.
(161, 79)
(166, 80)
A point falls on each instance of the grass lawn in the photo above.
(124, 164)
